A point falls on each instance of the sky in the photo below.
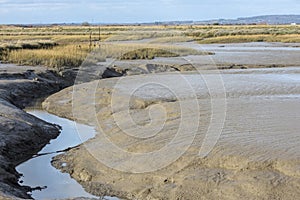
(136, 11)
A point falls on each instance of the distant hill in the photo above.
(265, 19)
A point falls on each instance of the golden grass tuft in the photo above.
(145, 51)
(64, 56)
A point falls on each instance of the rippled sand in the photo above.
(257, 155)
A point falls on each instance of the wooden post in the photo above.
(90, 40)
(99, 34)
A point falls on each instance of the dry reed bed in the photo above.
(293, 38)
(74, 55)
(67, 34)
(67, 56)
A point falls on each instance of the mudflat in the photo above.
(219, 126)
(256, 155)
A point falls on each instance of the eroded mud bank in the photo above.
(23, 135)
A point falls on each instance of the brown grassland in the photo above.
(68, 46)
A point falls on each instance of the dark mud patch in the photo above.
(21, 134)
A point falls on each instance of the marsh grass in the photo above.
(174, 39)
(159, 34)
(238, 34)
(7, 47)
(27, 44)
(60, 46)
(59, 39)
(74, 55)
(251, 38)
(145, 51)
(61, 56)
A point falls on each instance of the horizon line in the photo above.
(147, 22)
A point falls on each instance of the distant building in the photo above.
(293, 24)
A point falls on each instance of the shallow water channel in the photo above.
(38, 171)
